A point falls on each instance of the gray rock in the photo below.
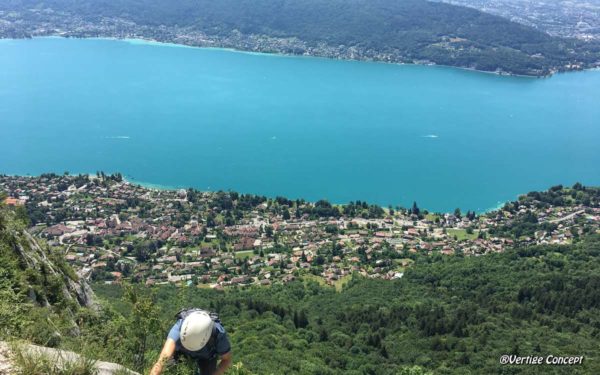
(59, 357)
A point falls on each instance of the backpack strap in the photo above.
(212, 343)
(214, 316)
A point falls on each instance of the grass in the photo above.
(431, 217)
(461, 234)
(244, 254)
(29, 362)
(311, 277)
(338, 284)
(399, 262)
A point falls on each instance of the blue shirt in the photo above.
(219, 346)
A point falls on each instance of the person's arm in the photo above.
(167, 352)
(224, 364)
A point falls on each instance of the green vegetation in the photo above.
(451, 315)
(32, 275)
(399, 31)
(244, 254)
(29, 362)
(462, 234)
(558, 196)
(446, 315)
(338, 285)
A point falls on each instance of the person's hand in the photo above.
(167, 352)
(225, 363)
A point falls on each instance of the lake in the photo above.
(299, 127)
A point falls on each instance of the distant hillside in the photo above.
(566, 18)
(385, 30)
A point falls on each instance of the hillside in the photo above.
(42, 300)
(40, 294)
(384, 30)
(446, 314)
(567, 18)
(27, 359)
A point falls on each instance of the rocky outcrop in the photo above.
(59, 358)
(35, 272)
(6, 367)
(34, 257)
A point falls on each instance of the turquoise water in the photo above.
(293, 126)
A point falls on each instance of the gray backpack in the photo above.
(184, 313)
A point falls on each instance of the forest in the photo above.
(446, 315)
(399, 31)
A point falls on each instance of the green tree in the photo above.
(142, 324)
(415, 209)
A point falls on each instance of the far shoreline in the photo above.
(154, 42)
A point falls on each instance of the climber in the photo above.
(198, 335)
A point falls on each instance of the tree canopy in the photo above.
(394, 30)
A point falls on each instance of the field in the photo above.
(244, 254)
(461, 234)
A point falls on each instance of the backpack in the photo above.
(185, 312)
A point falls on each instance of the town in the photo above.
(110, 230)
(565, 18)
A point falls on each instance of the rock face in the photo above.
(33, 271)
(59, 357)
(34, 257)
(5, 364)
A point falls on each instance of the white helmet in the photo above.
(196, 330)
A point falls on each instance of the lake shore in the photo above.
(320, 53)
(151, 41)
(173, 189)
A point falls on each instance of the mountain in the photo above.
(411, 31)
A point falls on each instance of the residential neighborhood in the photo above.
(110, 229)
